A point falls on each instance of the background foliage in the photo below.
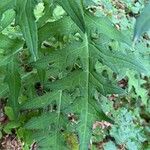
(71, 77)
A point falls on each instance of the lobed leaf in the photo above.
(9, 44)
(42, 101)
(26, 20)
(119, 60)
(48, 12)
(10, 47)
(105, 26)
(73, 84)
(56, 28)
(75, 11)
(42, 122)
(8, 17)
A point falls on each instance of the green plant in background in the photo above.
(142, 23)
(59, 66)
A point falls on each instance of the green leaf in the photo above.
(50, 142)
(1, 135)
(126, 131)
(26, 20)
(11, 125)
(10, 44)
(75, 11)
(72, 99)
(41, 122)
(48, 12)
(105, 26)
(142, 23)
(8, 17)
(13, 80)
(110, 146)
(41, 74)
(86, 78)
(50, 120)
(5, 5)
(3, 90)
(135, 81)
(119, 60)
(10, 113)
(42, 101)
(56, 29)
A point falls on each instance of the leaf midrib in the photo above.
(87, 93)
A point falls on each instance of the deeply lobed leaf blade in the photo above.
(26, 20)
